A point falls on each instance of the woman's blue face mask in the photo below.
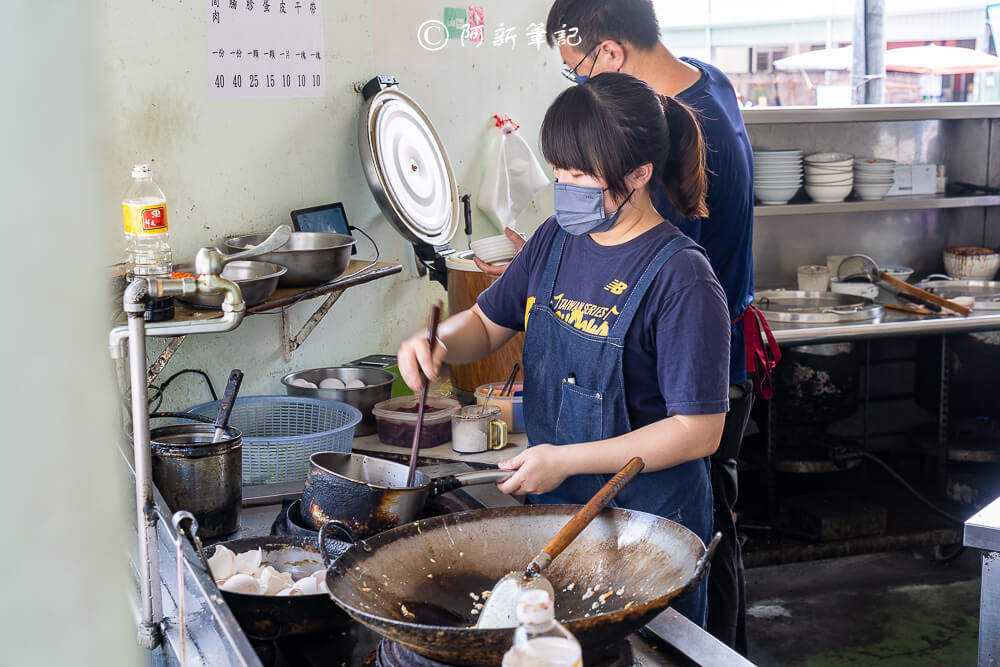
(580, 209)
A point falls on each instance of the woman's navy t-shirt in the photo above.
(676, 358)
(727, 233)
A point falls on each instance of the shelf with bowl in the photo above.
(280, 302)
(802, 205)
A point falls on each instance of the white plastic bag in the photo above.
(513, 175)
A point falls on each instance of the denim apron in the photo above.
(560, 411)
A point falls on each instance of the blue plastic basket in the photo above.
(280, 433)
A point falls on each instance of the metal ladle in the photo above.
(863, 266)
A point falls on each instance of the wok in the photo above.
(370, 494)
(266, 617)
(431, 566)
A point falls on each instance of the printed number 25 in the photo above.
(254, 81)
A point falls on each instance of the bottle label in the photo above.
(143, 220)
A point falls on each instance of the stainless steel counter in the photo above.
(982, 531)
(893, 324)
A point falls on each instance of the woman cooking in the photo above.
(626, 347)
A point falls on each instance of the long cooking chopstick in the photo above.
(432, 341)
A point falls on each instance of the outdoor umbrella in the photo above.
(932, 59)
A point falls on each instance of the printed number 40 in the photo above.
(220, 81)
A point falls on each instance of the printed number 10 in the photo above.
(315, 80)
(286, 80)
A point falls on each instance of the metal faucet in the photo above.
(209, 263)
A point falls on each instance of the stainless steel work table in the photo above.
(892, 324)
(982, 531)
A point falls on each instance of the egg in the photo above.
(221, 563)
(248, 562)
(305, 384)
(287, 592)
(306, 586)
(242, 583)
(356, 384)
(320, 577)
(331, 383)
(272, 581)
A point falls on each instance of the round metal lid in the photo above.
(985, 292)
(407, 168)
(815, 307)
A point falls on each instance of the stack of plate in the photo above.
(494, 249)
(873, 177)
(829, 176)
(777, 175)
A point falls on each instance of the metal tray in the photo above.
(985, 292)
(815, 307)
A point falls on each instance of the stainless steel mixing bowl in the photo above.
(257, 281)
(312, 258)
(378, 387)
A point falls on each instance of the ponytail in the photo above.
(683, 174)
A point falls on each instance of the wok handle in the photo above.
(586, 514)
(339, 525)
(451, 482)
(702, 566)
(925, 295)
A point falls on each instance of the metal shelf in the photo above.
(280, 303)
(904, 203)
(870, 113)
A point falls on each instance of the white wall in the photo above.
(237, 166)
(64, 503)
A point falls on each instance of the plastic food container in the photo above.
(396, 420)
(511, 409)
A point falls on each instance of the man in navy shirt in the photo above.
(595, 36)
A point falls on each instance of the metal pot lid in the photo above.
(815, 307)
(407, 166)
(985, 292)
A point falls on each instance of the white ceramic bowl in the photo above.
(872, 191)
(899, 272)
(810, 169)
(775, 195)
(829, 193)
(969, 263)
(875, 162)
(494, 249)
(830, 159)
(829, 179)
(776, 172)
(866, 290)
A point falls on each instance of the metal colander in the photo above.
(280, 433)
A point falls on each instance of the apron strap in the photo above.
(624, 320)
(761, 359)
(547, 284)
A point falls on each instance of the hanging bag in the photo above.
(513, 175)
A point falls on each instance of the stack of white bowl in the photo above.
(494, 249)
(829, 176)
(873, 177)
(777, 175)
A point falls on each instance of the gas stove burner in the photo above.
(391, 654)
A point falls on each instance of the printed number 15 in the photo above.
(270, 80)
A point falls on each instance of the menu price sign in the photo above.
(265, 49)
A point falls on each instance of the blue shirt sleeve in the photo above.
(504, 301)
(692, 346)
